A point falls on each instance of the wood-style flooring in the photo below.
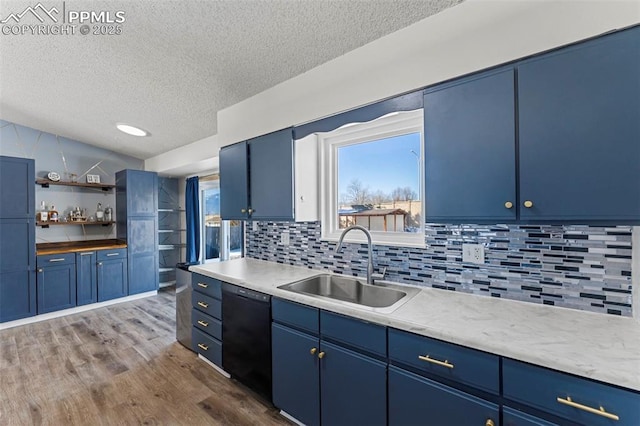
(118, 365)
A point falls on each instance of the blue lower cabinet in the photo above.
(17, 295)
(416, 400)
(353, 387)
(56, 287)
(112, 279)
(86, 278)
(512, 417)
(296, 382)
(143, 273)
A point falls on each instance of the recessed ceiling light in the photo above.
(132, 130)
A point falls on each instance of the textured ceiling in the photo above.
(177, 63)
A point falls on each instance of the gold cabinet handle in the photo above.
(313, 351)
(202, 304)
(528, 204)
(56, 260)
(99, 263)
(40, 270)
(444, 363)
(599, 412)
(203, 285)
(508, 204)
(203, 347)
(113, 254)
(243, 211)
(202, 323)
(489, 422)
(321, 355)
(250, 211)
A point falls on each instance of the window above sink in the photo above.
(372, 175)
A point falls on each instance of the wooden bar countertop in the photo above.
(76, 246)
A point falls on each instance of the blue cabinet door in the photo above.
(296, 383)
(17, 268)
(415, 400)
(137, 191)
(112, 279)
(142, 252)
(579, 132)
(17, 188)
(234, 182)
(56, 287)
(86, 278)
(17, 295)
(353, 387)
(470, 149)
(271, 176)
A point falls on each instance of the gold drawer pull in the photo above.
(489, 422)
(57, 260)
(313, 351)
(203, 285)
(87, 253)
(112, 254)
(202, 304)
(600, 412)
(202, 323)
(203, 347)
(444, 363)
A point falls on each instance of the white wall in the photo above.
(468, 37)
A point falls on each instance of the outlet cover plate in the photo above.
(473, 253)
(284, 238)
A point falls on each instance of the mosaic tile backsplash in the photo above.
(579, 267)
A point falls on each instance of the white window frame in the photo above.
(390, 125)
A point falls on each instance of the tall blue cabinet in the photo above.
(17, 238)
(137, 221)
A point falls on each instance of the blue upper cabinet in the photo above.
(469, 136)
(256, 178)
(234, 182)
(579, 126)
(17, 188)
(137, 193)
(271, 176)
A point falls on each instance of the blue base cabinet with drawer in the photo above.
(328, 369)
(206, 317)
(112, 280)
(56, 282)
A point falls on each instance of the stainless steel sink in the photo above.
(380, 297)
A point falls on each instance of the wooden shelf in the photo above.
(101, 186)
(47, 224)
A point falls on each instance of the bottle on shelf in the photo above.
(108, 214)
(53, 214)
(43, 214)
(99, 213)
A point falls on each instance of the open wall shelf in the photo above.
(45, 183)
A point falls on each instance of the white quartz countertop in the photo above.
(596, 346)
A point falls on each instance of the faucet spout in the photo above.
(369, 247)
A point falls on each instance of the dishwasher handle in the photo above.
(245, 293)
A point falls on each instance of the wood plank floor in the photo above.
(118, 365)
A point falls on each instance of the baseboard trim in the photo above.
(291, 418)
(215, 367)
(76, 310)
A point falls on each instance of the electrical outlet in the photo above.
(284, 238)
(473, 253)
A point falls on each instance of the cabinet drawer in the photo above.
(56, 259)
(415, 400)
(206, 323)
(207, 304)
(569, 396)
(354, 332)
(207, 346)
(207, 285)
(112, 254)
(511, 417)
(294, 314)
(468, 366)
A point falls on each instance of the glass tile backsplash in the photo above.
(578, 267)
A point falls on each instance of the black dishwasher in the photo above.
(246, 337)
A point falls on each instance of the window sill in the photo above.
(413, 241)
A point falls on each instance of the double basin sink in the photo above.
(383, 297)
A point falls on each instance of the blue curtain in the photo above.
(192, 207)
